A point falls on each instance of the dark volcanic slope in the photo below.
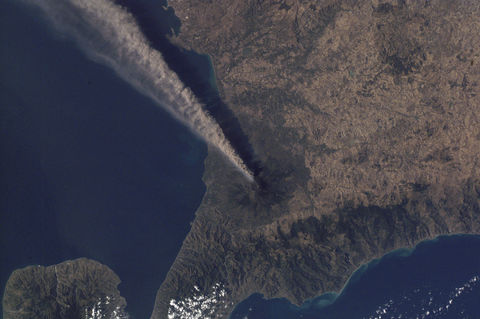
(364, 117)
(78, 289)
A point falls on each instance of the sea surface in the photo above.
(89, 167)
(437, 279)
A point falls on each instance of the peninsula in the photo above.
(360, 121)
(363, 121)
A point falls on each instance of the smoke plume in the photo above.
(109, 34)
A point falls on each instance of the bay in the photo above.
(437, 279)
(90, 167)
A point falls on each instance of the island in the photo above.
(80, 288)
(363, 125)
(360, 121)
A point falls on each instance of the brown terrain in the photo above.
(364, 121)
(362, 125)
(68, 290)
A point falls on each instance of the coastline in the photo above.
(202, 226)
(248, 238)
(92, 168)
(405, 213)
(328, 300)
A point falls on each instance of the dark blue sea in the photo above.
(91, 168)
(436, 279)
(88, 167)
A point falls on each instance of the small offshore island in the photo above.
(361, 122)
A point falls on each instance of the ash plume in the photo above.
(110, 35)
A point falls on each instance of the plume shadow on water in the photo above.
(157, 22)
(90, 167)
